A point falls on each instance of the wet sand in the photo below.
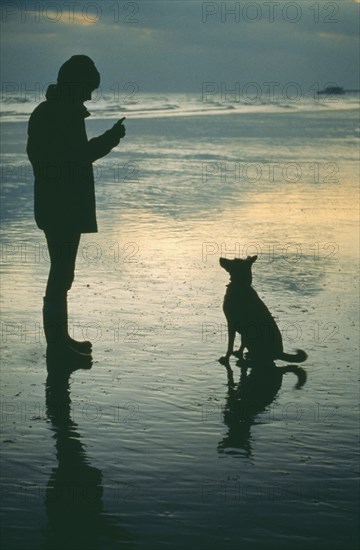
(149, 448)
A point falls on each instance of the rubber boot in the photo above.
(59, 348)
(84, 346)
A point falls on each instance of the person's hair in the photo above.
(79, 70)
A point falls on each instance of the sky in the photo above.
(177, 46)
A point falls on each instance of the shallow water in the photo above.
(150, 448)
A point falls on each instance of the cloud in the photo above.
(69, 18)
(170, 46)
(337, 37)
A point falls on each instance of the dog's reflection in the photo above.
(74, 491)
(248, 398)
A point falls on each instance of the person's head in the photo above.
(78, 77)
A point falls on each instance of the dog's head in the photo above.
(239, 270)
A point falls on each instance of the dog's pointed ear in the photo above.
(252, 259)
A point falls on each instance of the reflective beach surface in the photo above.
(158, 445)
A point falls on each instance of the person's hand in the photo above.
(119, 128)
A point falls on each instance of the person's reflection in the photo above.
(247, 399)
(74, 492)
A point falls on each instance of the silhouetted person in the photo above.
(62, 158)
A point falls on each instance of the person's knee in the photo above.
(60, 280)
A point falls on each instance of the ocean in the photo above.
(157, 445)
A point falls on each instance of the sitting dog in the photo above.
(247, 314)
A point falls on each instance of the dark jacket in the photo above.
(62, 157)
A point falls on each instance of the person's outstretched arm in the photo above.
(100, 146)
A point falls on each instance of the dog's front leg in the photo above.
(240, 352)
(231, 338)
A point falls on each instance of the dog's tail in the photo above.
(299, 357)
(299, 371)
